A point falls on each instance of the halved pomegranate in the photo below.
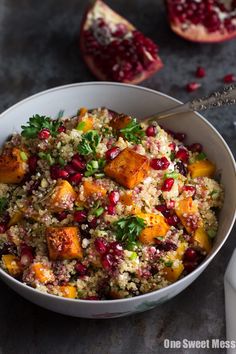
(203, 20)
(114, 49)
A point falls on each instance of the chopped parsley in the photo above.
(95, 167)
(133, 132)
(89, 142)
(201, 156)
(3, 204)
(36, 123)
(168, 263)
(128, 229)
(47, 157)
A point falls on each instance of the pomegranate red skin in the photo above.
(196, 33)
(91, 63)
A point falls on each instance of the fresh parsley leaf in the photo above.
(172, 156)
(37, 123)
(89, 142)
(169, 263)
(47, 157)
(3, 204)
(128, 229)
(133, 131)
(201, 156)
(94, 167)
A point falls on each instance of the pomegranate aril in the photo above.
(168, 184)
(229, 79)
(114, 197)
(108, 261)
(192, 86)
(190, 266)
(100, 245)
(26, 255)
(200, 72)
(116, 248)
(180, 136)
(32, 162)
(70, 169)
(8, 248)
(112, 153)
(76, 178)
(62, 174)
(61, 129)
(181, 168)
(190, 255)
(182, 154)
(191, 190)
(172, 220)
(151, 130)
(80, 216)
(78, 163)
(61, 216)
(163, 209)
(111, 209)
(159, 164)
(54, 171)
(93, 223)
(3, 227)
(81, 269)
(44, 134)
(196, 147)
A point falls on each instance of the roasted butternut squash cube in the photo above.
(156, 227)
(128, 169)
(68, 291)
(91, 188)
(12, 264)
(42, 273)
(203, 239)
(120, 121)
(182, 246)
(203, 168)
(12, 167)
(62, 197)
(85, 124)
(173, 273)
(126, 199)
(63, 243)
(188, 214)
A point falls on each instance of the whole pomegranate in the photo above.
(114, 49)
(203, 20)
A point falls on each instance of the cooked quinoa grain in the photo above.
(99, 206)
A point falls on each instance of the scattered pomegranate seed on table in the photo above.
(229, 79)
(193, 86)
(200, 72)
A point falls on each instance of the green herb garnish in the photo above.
(89, 142)
(80, 125)
(37, 123)
(97, 210)
(201, 156)
(172, 156)
(168, 263)
(133, 132)
(172, 175)
(211, 233)
(23, 156)
(133, 256)
(94, 167)
(3, 204)
(47, 157)
(128, 229)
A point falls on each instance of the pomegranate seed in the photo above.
(33, 187)
(165, 246)
(172, 146)
(114, 197)
(112, 153)
(111, 209)
(32, 162)
(93, 223)
(78, 163)
(151, 131)
(192, 86)
(63, 174)
(159, 164)
(180, 136)
(190, 255)
(163, 209)
(196, 147)
(170, 204)
(190, 266)
(100, 245)
(26, 255)
(81, 269)
(54, 171)
(116, 248)
(182, 155)
(8, 248)
(200, 72)
(168, 184)
(229, 79)
(61, 129)
(80, 216)
(107, 261)
(44, 134)
(70, 169)
(76, 179)
(3, 227)
(172, 220)
(191, 190)
(61, 216)
(181, 168)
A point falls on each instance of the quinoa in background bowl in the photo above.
(107, 208)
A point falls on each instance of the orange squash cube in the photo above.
(186, 209)
(68, 291)
(128, 169)
(172, 274)
(91, 188)
(42, 273)
(62, 197)
(63, 243)
(12, 167)
(12, 264)
(120, 121)
(85, 124)
(156, 227)
(203, 168)
(203, 239)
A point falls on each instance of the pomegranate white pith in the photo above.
(203, 20)
(114, 49)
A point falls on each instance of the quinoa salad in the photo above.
(101, 207)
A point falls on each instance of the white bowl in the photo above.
(139, 102)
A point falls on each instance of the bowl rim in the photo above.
(146, 295)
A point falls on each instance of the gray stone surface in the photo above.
(38, 50)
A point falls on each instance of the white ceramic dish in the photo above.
(139, 102)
